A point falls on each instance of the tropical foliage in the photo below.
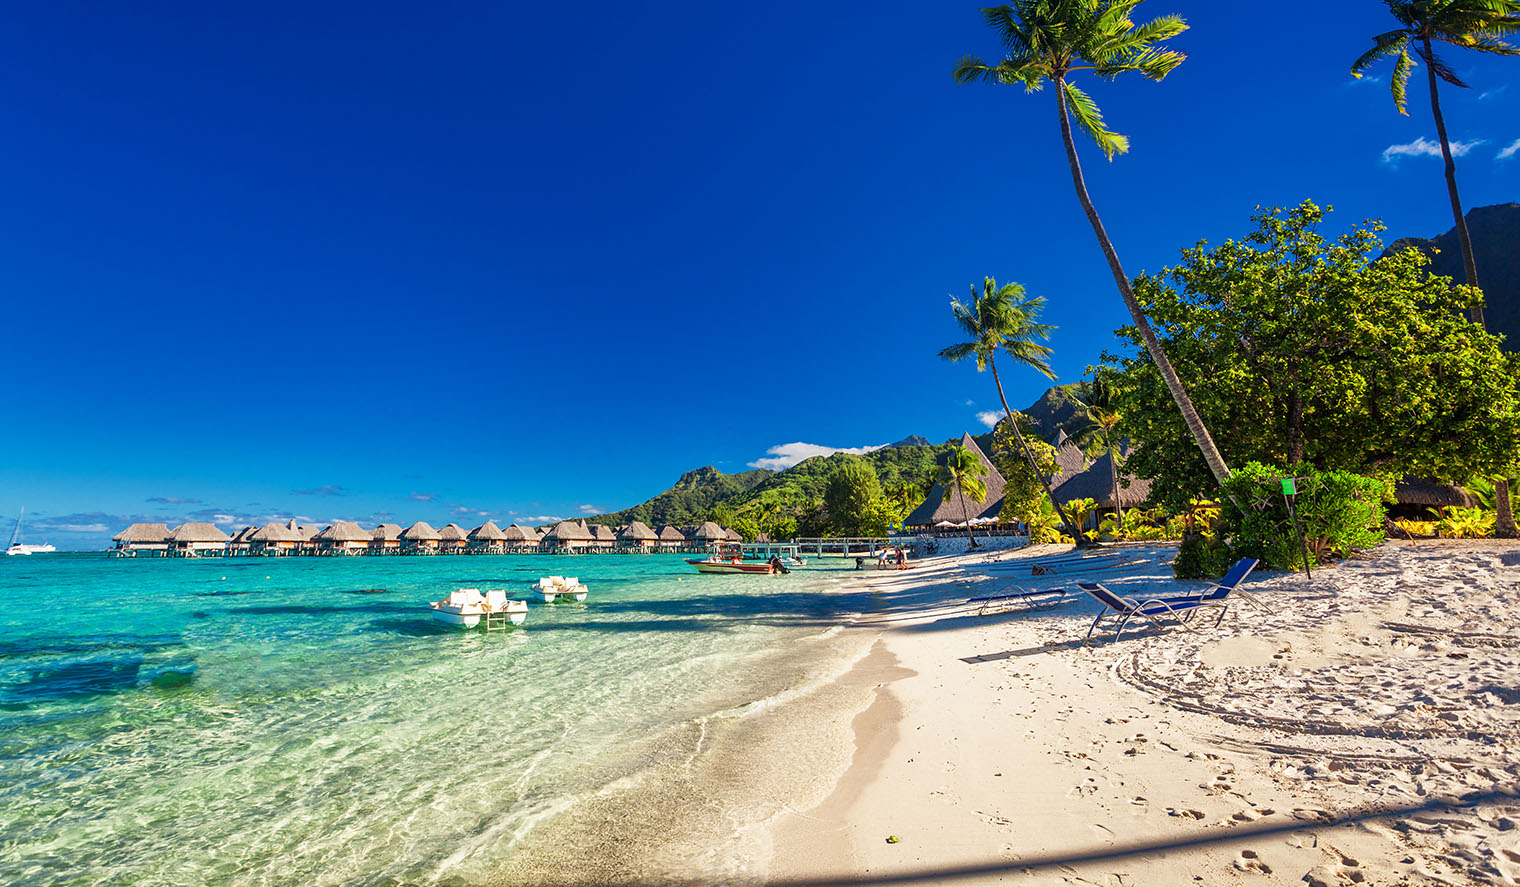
(1344, 510)
(963, 473)
(852, 498)
(1024, 493)
(1309, 349)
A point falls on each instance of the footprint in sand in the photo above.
(1250, 861)
(1140, 806)
(1185, 814)
(1310, 814)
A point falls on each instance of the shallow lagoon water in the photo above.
(302, 720)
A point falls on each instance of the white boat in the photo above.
(554, 588)
(468, 608)
(17, 548)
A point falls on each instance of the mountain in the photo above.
(1495, 234)
(911, 440)
(1057, 410)
(690, 500)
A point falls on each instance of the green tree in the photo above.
(746, 527)
(1466, 24)
(1025, 488)
(1314, 350)
(852, 491)
(963, 473)
(1100, 417)
(1003, 318)
(1044, 41)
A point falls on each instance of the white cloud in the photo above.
(1509, 151)
(786, 455)
(423, 497)
(539, 519)
(588, 509)
(1423, 147)
(1490, 93)
(990, 418)
(970, 403)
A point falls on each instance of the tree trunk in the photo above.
(1504, 526)
(966, 516)
(1295, 427)
(1113, 478)
(1071, 528)
(1195, 425)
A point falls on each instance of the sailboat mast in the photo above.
(16, 533)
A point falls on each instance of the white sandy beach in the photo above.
(1365, 733)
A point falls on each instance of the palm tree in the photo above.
(1099, 409)
(963, 472)
(1467, 24)
(1044, 41)
(1005, 319)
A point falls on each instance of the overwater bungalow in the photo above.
(732, 534)
(197, 540)
(419, 538)
(603, 536)
(520, 539)
(386, 539)
(141, 537)
(567, 536)
(672, 539)
(307, 533)
(275, 540)
(343, 538)
(241, 542)
(453, 539)
(708, 534)
(488, 539)
(637, 536)
(952, 505)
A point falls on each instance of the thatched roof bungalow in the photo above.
(453, 538)
(568, 536)
(343, 537)
(488, 538)
(953, 505)
(672, 538)
(638, 535)
(142, 537)
(732, 534)
(1097, 483)
(603, 535)
(385, 539)
(520, 538)
(196, 539)
(420, 538)
(274, 539)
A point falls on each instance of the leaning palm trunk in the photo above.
(1195, 425)
(1504, 523)
(966, 516)
(1113, 479)
(1071, 527)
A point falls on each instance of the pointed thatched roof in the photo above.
(386, 533)
(243, 535)
(638, 531)
(1419, 491)
(515, 533)
(732, 534)
(344, 531)
(671, 534)
(709, 532)
(143, 533)
(275, 533)
(198, 532)
(1097, 483)
(568, 531)
(488, 532)
(453, 533)
(420, 532)
(952, 505)
(603, 533)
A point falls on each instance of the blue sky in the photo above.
(388, 261)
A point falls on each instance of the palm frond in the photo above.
(1493, 45)
(1443, 70)
(1399, 83)
(1090, 120)
(1383, 46)
(971, 69)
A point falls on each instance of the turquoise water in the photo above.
(303, 721)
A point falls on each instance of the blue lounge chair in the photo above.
(1179, 609)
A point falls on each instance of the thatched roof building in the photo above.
(732, 534)
(515, 534)
(488, 532)
(243, 536)
(421, 531)
(669, 533)
(638, 531)
(603, 533)
(1419, 491)
(143, 534)
(453, 533)
(343, 532)
(709, 532)
(270, 534)
(567, 532)
(952, 505)
(1097, 483)
(386, 533)
(197, 533)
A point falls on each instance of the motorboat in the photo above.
(468, 608)
(556, 588)
(728, 557)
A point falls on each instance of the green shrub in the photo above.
(1343, 510)
(1201, 557)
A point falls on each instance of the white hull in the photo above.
(447, 616)
(466, 609)
(30, 549)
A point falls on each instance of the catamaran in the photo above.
(17, 548)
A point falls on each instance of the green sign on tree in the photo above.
(1288, 488)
